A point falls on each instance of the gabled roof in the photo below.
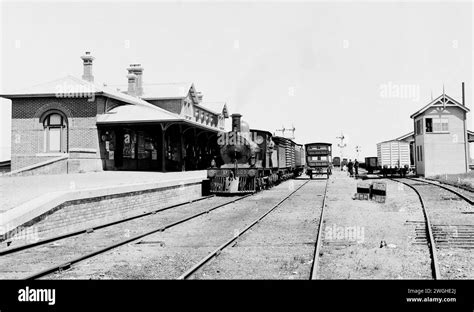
(215, 108)
(160, 91)
(441, 101)
(58, 86)
(70, 86)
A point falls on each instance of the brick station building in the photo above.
(76, 125)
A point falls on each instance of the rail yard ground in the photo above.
(359, 239)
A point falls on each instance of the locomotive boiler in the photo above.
(253, 160)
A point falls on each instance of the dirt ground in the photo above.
(354, 230)
(166, 255)
(447, 209)
(281, 246)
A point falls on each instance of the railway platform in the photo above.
(69, 199)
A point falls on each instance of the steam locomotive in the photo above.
(253, 160)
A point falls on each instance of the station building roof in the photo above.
(443, 100)
(176, 91)
(162, 91)
(215, 107)
(134, 110)
(70, 86)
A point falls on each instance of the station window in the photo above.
(55, 132)
(434, 125)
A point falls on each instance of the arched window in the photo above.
(55, 133)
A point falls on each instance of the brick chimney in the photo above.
(87, 60)
(132, 84)
(137, 70)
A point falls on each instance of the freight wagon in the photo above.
(393, 157)
(371, 164)
(299, 159)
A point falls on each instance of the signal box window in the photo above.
(440, 125)
(434, 125)
(429, 125)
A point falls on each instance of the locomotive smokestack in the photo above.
(463, 103)
(236, 122)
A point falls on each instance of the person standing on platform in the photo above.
(350, 167)
(356, 167)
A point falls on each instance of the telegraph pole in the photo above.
(358, 148)
(291, 130)
(341, 145)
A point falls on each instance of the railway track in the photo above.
(200, 264)
(448, 228)
(48, 248)
(319, 238)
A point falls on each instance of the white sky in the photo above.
(319, 66)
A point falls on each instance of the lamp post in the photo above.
(358, 148)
